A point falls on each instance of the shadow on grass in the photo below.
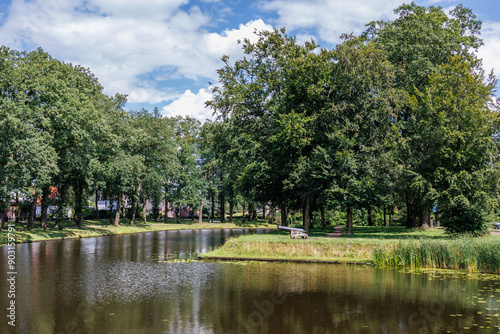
(376, 232)
(395, 232)
(250, 223)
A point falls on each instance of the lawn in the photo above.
(393, 246)
(95, 228)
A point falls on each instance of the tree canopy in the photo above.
(401, 116)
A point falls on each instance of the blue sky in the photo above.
(164, 53)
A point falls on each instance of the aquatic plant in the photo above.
(465, 252)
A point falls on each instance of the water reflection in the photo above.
(126, 284)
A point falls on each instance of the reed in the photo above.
(467, 252)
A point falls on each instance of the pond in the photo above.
(150, 283)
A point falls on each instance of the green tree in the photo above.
(417, 43)
(186, 182)
(361, 130)
(253, 99)
(28, 159)
(457, 124)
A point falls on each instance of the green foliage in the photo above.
(402, 116)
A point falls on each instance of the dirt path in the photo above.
(337, 232)
(495, 231)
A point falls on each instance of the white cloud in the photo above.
(330, 18)
(227, 41)
(122, 41)
(190, 104)
(490, 51)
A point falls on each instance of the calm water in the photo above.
(131, 284)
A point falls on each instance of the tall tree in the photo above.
(417, 43)
(361, 130)
(457, 124)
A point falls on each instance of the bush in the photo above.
(88, 213)
(465, 218)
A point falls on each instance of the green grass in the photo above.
(396, 232)
(272, 246)
(95, 228)
(380, 246)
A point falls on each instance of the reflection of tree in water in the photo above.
(112, 284)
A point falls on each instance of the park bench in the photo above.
(294, 232)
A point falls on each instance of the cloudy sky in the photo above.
(165, 53)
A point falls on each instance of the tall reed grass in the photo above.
(467, 252)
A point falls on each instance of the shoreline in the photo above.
(92, 230)
(222, 258)
(472, 254)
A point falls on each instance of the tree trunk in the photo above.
(271, 213)
(44, 209)
(231, 208)
(166, 209)
(118, 209)
(304, 219)
(133, 210)
(96, 204)
(385, 216)
(307, 212)
(350, 227)
(311, 218)
(111, 206)
(212, 214)
(124, 211)
(426, 219)
(78, 205)
(222, 209)
(200, 213)
(156, 211)
(391, 209)
(178, 213)
(31, 213)
(436, 216)
(144, 211)
(284, 214)
(17, 213)
(323, 222)
(62, 206)
(264, 212)
(2, 219)
(411, 221)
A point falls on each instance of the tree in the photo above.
(417, 43)
(185, 183)
(253, 99)
(28, 159)
(361, 128)
(151, 140)
(457, 124)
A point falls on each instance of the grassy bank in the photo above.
(283, 248)
(383, 247)
(469, 253)
(96, 228)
